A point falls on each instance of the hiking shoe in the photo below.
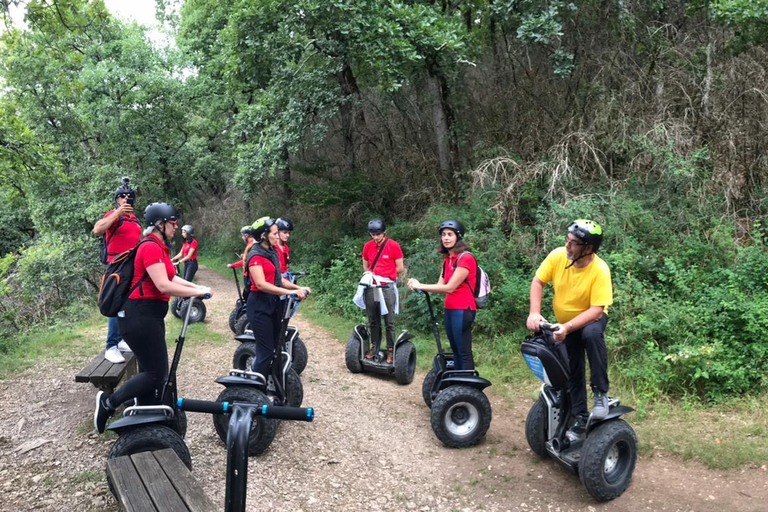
(102, 412)
(123, 346)
(113, 355)
(389, 355)
(369, 354)
(600, 409)
(577, 431)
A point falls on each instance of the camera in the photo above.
(127, 186)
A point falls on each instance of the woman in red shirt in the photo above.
(263, 305)
(245, 234)
(142, 321)
(188, 252)
(457, 280)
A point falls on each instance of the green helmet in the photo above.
(261, 226)
(588, 231)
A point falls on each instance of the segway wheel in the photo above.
(150, 437)
(299, 356)
(198, 311)
(263, 429)
(233, 319)
(242, 324)
(461, 416)
(244, 356)
(426, 387)
(352, 354)
(179, 423)
(608, 460)
(294, 390)
(175, 307)
(536, 428)
(405, 363)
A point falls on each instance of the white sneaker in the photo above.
(123, 346)
(113, 355)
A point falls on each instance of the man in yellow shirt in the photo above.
(583, 292)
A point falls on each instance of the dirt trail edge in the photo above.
(370, 448)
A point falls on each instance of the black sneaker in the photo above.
(577, 431)
(102, 412)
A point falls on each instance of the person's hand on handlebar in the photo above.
(534, 319)
(559, 332)
(414, 284)
(302, 292)
(204, 292)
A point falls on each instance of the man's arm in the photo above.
(399, 266)
(534, 310)
(104, 224)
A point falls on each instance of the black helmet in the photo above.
(455, 225)
(245, 231)
(261, 226)
(125, 188)
(587, 231)
(189, 229)
(376, 226)
(284, 224)
(159, 212)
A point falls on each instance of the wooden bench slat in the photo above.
(186, 485)
(84, 375)
(158, 485)
(113, 373)
(128, 487)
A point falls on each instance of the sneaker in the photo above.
(389, 355)
(369, 354)
(123, 346)
(113, 355)
(102, 412)
(600, 409)
(577, 431)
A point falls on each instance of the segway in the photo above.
(239, 310)
(281, 387)
(605, 457)
(294, 345)
(178, 305)
(403, 364)
(461, 413)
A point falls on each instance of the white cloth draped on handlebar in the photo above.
(367, 280)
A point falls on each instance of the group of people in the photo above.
(580, 278)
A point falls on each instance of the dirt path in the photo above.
(370, 448)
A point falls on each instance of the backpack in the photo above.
(483, 284)
(103, 254)
(116, 281)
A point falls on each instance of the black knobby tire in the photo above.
(175, 307)
(461, 416)
(150, 437)
(426, 387)
(263, 429)
(233, 319)
(179, 423)
(294, 390)
(244, 356)
(241, 324)
(608, 459)
(299, 356)
(536, 428)
(352, 354)
(405, 363)
(198, 311)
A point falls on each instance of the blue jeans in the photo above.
(113, 333)
(458, 327)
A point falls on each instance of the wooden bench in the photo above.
(156, 481)
(105, 375)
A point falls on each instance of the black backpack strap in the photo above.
(138, 284)
(376, 259)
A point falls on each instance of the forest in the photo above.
(513, 116)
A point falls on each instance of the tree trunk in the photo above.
(285, 179)
(442, 118)
(350, 121)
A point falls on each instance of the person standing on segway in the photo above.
(245, 234)
(122, 231)
(382, 257)
(457, 280)
(142, 322)
(284, 229)
(188, 253)
(583, 293)
(263, 306)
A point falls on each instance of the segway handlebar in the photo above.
(268, 411)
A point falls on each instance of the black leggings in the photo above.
(265, 316)
(143, 328)
(190, 269)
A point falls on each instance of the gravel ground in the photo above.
(370, 447)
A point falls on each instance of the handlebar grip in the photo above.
(288, 413)
(547, 326)
(205, 406)
(300, 274)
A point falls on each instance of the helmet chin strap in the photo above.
(580, 256)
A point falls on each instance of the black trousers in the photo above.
(190, 269)
(591, 339)
(143, 328)
(265, 316)
(373, 309)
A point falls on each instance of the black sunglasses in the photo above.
(123, 196)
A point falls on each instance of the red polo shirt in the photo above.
(267, 267)
(150, 253)
(385, 266)
(123, 239)
(462, 297)
(186, 246)
(284, 253)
